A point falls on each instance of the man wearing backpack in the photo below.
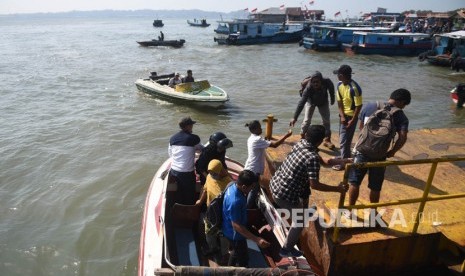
(366, 148)
(315, 94)
(235, 219)
(349, 102)
(216, 182)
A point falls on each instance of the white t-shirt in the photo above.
(256, 146)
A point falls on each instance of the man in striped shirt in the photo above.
(181, 149)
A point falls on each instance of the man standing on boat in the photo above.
(216, 149)
(315, 94)
(235, 219)
(349, 102)
(300, 171)
(182, 148)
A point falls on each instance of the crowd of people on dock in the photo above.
(292, 182)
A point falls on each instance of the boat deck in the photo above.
(440, 236)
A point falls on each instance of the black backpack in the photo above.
(378, 133)
(214, 213)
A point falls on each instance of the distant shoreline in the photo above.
(162, 14)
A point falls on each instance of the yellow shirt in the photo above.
(346, 91)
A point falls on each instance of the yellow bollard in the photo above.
(269, 126)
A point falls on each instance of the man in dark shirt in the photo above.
(315, 94)
(189, 77)
(300, 171)
(216, 149)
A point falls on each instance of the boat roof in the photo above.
(361, 29)
(457, 34)
(394, 34)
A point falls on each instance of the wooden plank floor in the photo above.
(403, 182)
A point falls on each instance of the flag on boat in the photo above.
(246, 9)
(312, 2)
(254, 10)
(338, 13)
(281, 7)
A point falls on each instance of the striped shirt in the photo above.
(291, 180)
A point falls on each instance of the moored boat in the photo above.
(248, 32)
(389, 44)
(445, 48)
(155, 42)
(197, 93)
(172, 235)
(158, 23)
(198, 23)
(331, 38)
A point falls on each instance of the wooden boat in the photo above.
(331, 38)
(199, 93)
(389, 44)
(198, 23)
(156, 42)
(248, 32)
(443, 47)
(172, 236)
(158, 23)
(456, 97)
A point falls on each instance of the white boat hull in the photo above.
(213, 96)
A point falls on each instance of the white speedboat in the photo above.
(198, 93)
(172, 235)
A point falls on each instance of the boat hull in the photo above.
(321, 44)
(386, 50)
(455, 97)
(170, 241)
(213, 96)
(170, 43)
(282, 37)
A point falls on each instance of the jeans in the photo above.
(239, 255)
(294, 231)
(325, 116)
(345, 137)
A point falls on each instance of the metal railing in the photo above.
(422, 200)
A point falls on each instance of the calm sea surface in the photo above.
(79, 144)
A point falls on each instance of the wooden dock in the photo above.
(362, 250)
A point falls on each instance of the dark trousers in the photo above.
(185, 194)
(239, 255)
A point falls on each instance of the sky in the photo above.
(349, 8)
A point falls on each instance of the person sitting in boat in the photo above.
(175, 80)
(217, 180)
(189, 77)
(161, 37)
(216, 149)
(234, 225)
